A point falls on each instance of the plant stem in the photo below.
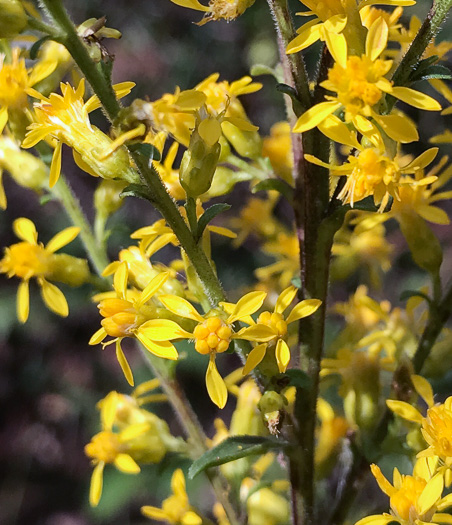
(193, 429)
(95, 251)
(427, 32)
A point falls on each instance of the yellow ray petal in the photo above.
(430, 495)
(181, 307)
(405, 410)
(314, 116)
(98, 337)
(23, 301)
(254, 358)
(377, 38)
(161, 348)
(305, 38)
(62, 238)
(423, 160)
(126, 464)
(3, 202)
(424, 389)
(398, 128)
(26, 230)
(256, 332)
(120, 279)
(383, 483)
(108, 410)
(247, 305)
(163, 330)
(337, 46)
(95, 490)
(123, 363)
(155, 284)
(154, 513)
(55, 166)
(3, 118)
(282, 354)
(415, 98)
(285, 298)
(216, 387)
(54, 298)
(191, 4)
(303, 309)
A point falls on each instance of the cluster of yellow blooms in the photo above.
(160, 306)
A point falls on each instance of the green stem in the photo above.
(295, 74)
(95, 251)
(192, 427)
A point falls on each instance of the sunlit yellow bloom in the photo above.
(212, 334)
(29, 259)
(286, 249)
(65, 119)
(27, 170)
(256, 218)
(271, 327)
(176, 509)
(414, 500)
(337, 23)
(129, 435)
(436, 425)
(420, 198)
(15, 79)
(330, 434)
(127, 315)
(363, 247)
(278, 148)
(360, 84)
(373, 173)
(218, 9)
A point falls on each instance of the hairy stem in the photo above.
(193, 429)
(95, 251)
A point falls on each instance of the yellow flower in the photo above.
(126, 315)
(30, 259)
(436, 426)
(15, 79)
(176, 509)
(360, 84)
(212, 335)
(286, 249)
(413, 499)
(334, 17)
(142, 437)
(218, 9)
(278, 148)
(373, 173)
(65, 119)
(272, 327)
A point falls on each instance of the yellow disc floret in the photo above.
(213, 335)
(26, 260)
(275, 321)
(104, 446)
(403, 501)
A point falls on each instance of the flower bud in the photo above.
(107, 197)
(13, 20)
(266, 506)
(424, 245)
(201, 158)
(68, 269)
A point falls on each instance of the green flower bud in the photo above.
(200, 160)
(423, 243)
(68, 269)
(107, 198)
(13, 19)
(26, 169)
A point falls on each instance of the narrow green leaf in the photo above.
(407, 294)
(275, 184)
(210, 214)
(233, 448)
(135, 190)
(34, 49)
(148, 151)
(435, 71)
(298, 378)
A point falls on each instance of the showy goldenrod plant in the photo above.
(333, 192)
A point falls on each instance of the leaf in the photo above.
(296, 281)
(148, 151)
(435, 71)
(233, 448)
(298, 378)
(210, 214)
(407, 294)
(34, 50)
(278, 185)
(135, 190)
(290, 92)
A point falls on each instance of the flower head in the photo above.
(29, 259)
